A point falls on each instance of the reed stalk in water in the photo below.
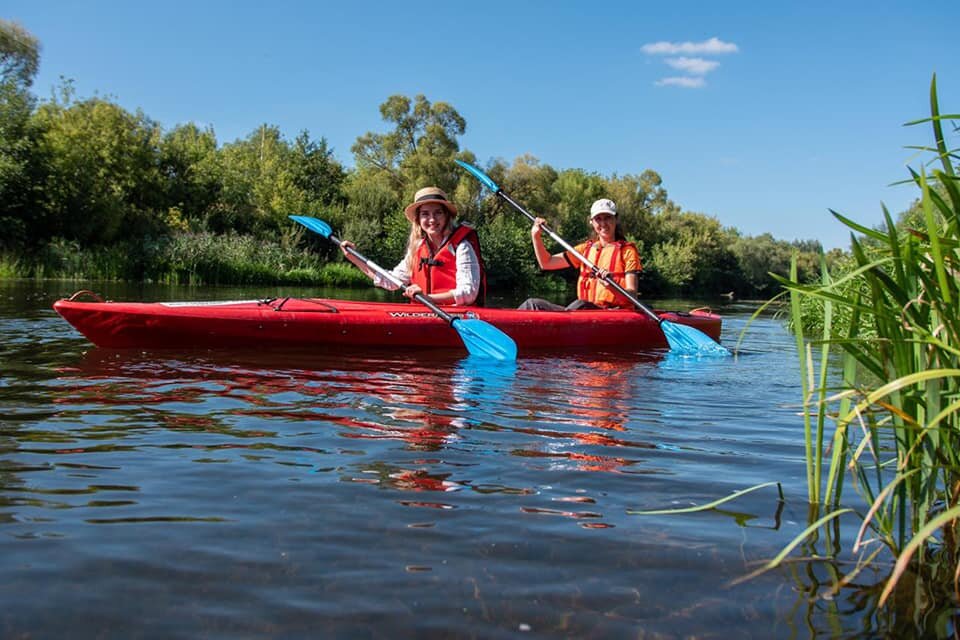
(894, 400)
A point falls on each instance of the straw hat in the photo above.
(429, 194)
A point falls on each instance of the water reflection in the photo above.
(585, 405)
(377, 397)
(264, 494)
(560, 414)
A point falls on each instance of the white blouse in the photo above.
(468, 275)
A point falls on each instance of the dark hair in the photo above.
(617, 231)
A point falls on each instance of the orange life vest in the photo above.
(593, 289)
(436, 271)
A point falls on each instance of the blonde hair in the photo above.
(416, 235)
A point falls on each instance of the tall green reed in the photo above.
(885, 371)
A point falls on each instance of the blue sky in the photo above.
(762, 114)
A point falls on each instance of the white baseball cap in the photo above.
(603, 205)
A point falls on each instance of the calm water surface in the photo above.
(254, 493)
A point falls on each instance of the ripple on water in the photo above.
(283, 494)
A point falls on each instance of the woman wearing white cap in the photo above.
(443, 258)
(608, 249)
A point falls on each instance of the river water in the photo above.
(263, 494)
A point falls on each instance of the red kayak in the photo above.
(317, 322)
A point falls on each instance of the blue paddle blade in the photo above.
(481, 338)
(479, 175)
(485, 340)
(314, 224)
(688, 341)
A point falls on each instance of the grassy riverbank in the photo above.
(205, 258)
(187, 258)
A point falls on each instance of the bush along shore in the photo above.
(89, 189)
(185, 258)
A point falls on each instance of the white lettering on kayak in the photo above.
(416, 314)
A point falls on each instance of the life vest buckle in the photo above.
(430, 262)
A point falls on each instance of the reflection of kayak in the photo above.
(310, 322)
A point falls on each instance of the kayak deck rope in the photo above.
(324, 307)
(85, 293)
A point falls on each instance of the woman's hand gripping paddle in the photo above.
(682, 339)
(481, 338)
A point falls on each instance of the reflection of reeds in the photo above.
(894, 319)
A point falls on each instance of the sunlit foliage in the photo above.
(78, 176)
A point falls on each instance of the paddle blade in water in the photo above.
(314, 224)
(688, 341)
(485, 340)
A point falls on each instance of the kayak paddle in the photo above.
(481, 338)
(681, 338)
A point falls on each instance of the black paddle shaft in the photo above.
(421, 298)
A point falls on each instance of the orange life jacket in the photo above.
(593, 289)
(436, 271)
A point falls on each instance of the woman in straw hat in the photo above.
(608, 249)
(443, 258)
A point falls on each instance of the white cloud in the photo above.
(687, 82)
(695, 66)
(713, 46)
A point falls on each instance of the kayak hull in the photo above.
(321, 322)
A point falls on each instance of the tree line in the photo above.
(88, 188)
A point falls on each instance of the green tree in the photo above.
(316, 171)
(256, 193)
(675, 261)
(506, 245)
(419, 150)
(640, 200)
(102, 181)
(372, 217)
(574, 190)
(530, 184)
(693, 254)
(19, 171)
(190, 172)
(717, 268)
(505, 236)
(19, 54)
(759, 256)
(266, 179)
